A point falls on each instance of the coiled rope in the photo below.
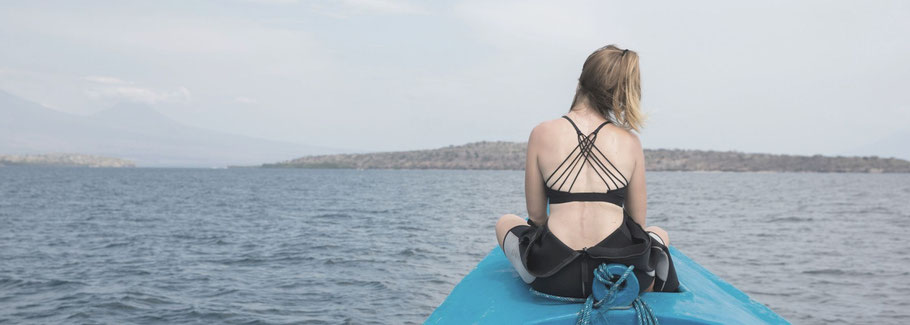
(593, 306)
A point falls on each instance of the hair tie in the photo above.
(624, 52)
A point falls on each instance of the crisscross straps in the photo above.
(587, 153)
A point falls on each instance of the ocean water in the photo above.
(285, 246)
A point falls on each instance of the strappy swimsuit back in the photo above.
(586, 153)
(552, 267)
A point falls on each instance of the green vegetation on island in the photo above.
(511, 156)
(63, 160)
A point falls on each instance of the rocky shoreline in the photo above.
(500, 155)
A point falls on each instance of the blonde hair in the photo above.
(610, 82)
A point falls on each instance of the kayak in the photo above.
(493, 293)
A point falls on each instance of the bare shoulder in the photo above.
(628, 139)
(545, 131)
(634, 140)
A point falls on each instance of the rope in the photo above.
(593, 306)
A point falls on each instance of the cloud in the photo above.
(106, 80)
(246, 100)
(106, 88)
(282, 2)
(347, 8)
(174, 35)
(384, 6)
(512, 24)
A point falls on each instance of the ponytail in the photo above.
(610, 82)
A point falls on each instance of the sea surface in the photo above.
(290, 246)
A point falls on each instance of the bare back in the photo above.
(555, 143)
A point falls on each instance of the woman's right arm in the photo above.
(637, 201)
(535, 195)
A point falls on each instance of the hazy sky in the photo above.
(760, 76)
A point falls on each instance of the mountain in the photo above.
(135, 132)
(895, 145)
(64, 160)
(511, 155)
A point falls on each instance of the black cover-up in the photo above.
(562, 271)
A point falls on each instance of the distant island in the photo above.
(63, 160)
(500, 155)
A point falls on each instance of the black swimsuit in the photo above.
(560, 270)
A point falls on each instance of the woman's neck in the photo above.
(583, 111)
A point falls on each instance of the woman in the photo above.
(590, 167)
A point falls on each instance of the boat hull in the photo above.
(493, 293)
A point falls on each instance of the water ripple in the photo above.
(251, 246)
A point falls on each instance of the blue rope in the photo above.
(602, 276)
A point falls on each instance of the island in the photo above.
(63, 160)
(501, 155)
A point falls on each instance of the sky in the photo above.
(797, 77)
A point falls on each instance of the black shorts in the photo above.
(551, 267)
